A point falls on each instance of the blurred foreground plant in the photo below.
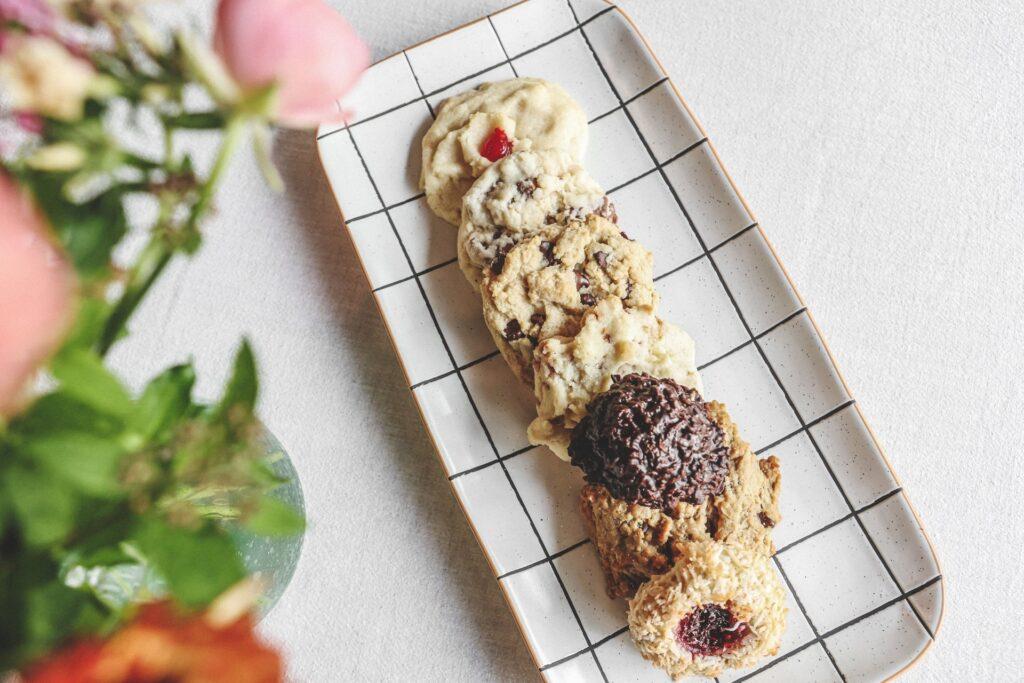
(107, 499)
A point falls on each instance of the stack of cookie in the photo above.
(677, 504)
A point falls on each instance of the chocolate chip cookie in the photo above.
(542, 287)
(517, 196)
(569, 372)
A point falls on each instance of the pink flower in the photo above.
(36, 287)
(36, 16)
(306, 48)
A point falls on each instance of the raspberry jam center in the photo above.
(710, 630)
(496, 146)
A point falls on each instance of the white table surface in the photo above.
(881, 145)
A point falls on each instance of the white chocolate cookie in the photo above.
(518, 195)
(545, 284)
(569, 372)
(533, 114)
(721, 607)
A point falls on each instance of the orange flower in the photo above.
(160, 645)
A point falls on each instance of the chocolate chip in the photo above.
(548, 249)
(513, 330)
(607, 210)
(714, 517)
(602, 259)
(526, 187)
(588, 299)
(582, 280)
(498, 263)
(621, 232)
(766, 521)
(538, 319)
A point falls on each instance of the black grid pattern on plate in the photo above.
(764, 357)
(706, 253)
(457, 370)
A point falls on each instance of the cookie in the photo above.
(636, 542)
(720, 607)
(542, 287)
(568, 372)
(475, 128)
(518, 195)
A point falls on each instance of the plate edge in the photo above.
(771, 247)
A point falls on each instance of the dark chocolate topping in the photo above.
(652, 442)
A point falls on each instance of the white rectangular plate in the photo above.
(865, 591)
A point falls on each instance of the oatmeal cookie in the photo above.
(636, 542)
(475, 128)
(569, 372)
(545, 284)
(720, 607)
(518, 195)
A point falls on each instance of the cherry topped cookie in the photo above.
(720, 607)
(518, 195)
(542, 287)
(476, 128)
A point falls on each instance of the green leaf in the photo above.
(88, 463)
(243, 385)
(53, 612)
(264, 476)
(59, 412)
(105, 544)
(275, 518)
(197, 565)
(165, 401)
(83, 376)
(44, 506)
(88, 231)
(89, 321)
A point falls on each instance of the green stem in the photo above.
(161, 247)
(143, 274)
(233, 136)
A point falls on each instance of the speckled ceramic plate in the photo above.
(865, 590)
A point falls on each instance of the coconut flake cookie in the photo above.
(545, 284)
(518, 195)
(476, 128)
(653, 492)
(720, 607)
(568, 372)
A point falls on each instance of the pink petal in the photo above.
(36, 289)
(304, 46)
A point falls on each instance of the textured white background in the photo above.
(880, 144)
